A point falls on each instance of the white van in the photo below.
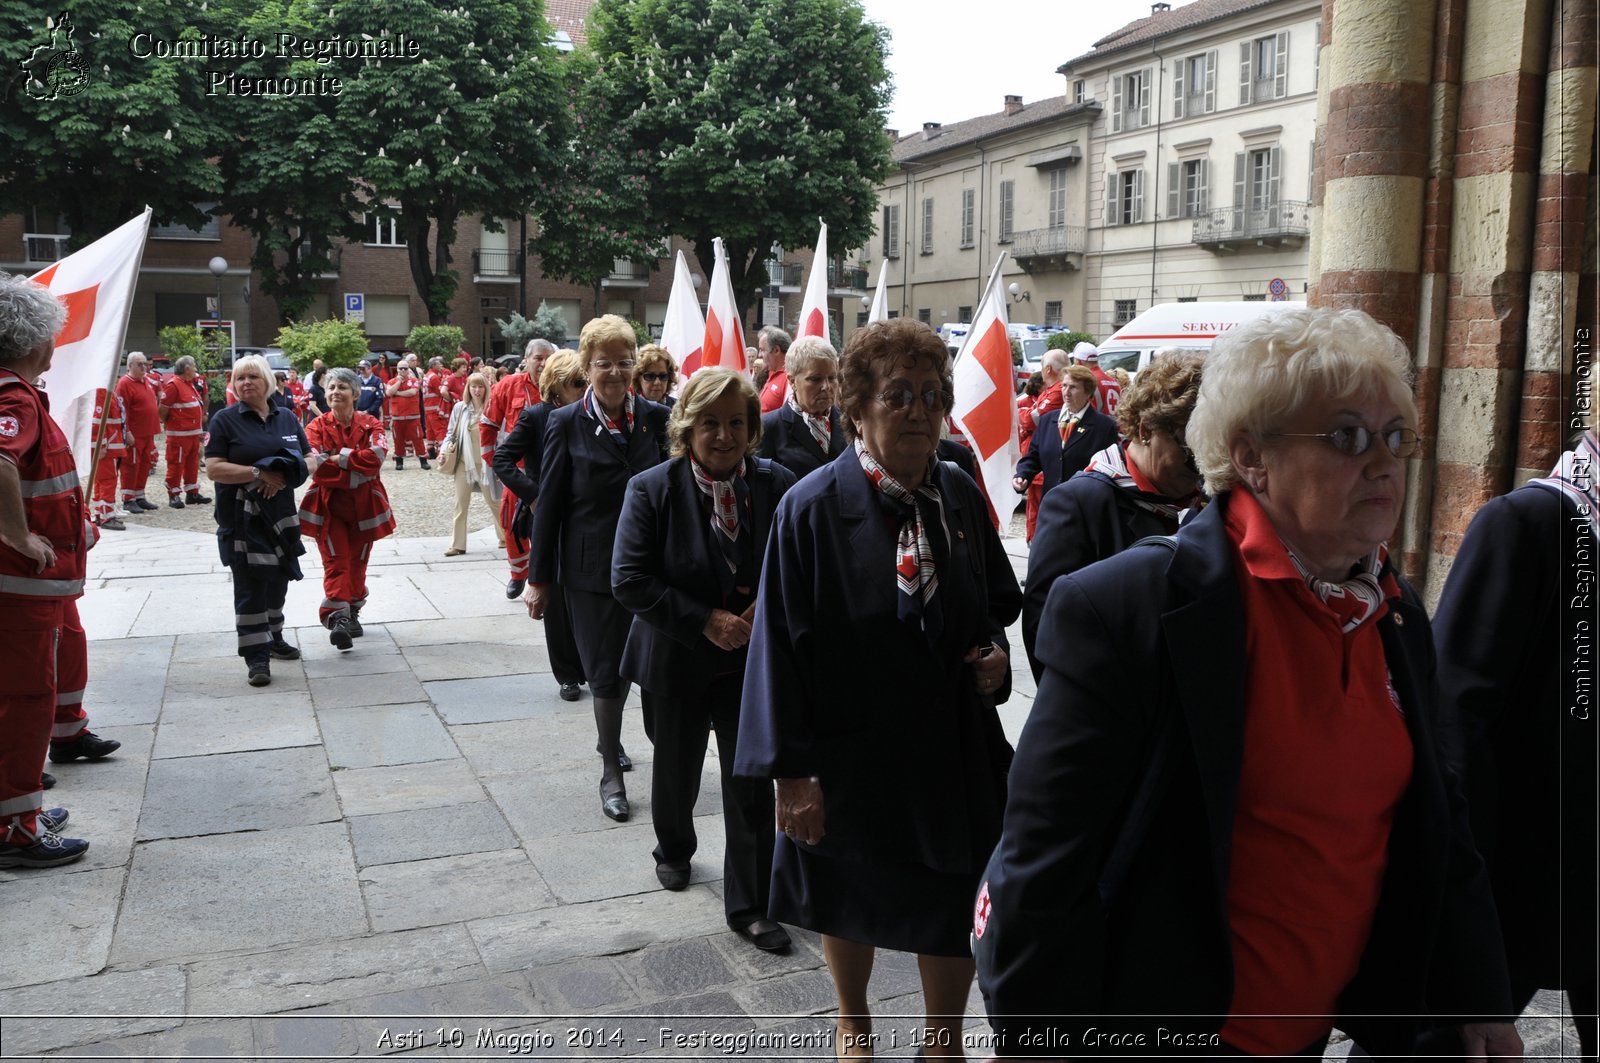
(1192, 326)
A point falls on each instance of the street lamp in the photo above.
(218, 266)
(1017, 294)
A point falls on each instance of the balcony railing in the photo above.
(628, 273)
(1287, 222)
(1047, 249)
(842, 276)
(41, 249)
(496, 262)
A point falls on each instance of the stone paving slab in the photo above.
(127, 679)
(315, 647)
(66, 933)
(557, 742)
(237, 792)
(350, 691)
(456, 594)
(391, 598)
(225, 677)
(364, 659)
(599, 928)
(470, 660)
(320, 1032)
(111, 612)
(196, 1040)
(313, 975)
(402, 787)
(453, 889)
(129, 1002)
(103, 797)
(198, 727)
(423, 834)
(583, 986)
(493, 698)
(541, 806)
(460, 631)
(588, 866)
(371, 736)
(184, 896)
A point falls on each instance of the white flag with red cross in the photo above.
(880, 298)
(96, 284)
(684, 329)
(724, 337)
(986, 401)
(814, 307)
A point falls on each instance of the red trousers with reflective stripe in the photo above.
(407, 432)
(344, 570)
(516, 549)
(183, 465)
(30, 637)
(136, 468)
(72, 676)
(104, 499)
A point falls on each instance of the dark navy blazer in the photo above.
(1093, 433)
(786, 440)
(664, 571)
(524, 444)
(582, 479)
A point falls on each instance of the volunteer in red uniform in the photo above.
(1052, 370)
(141, 424)
(772, 346)
(295, 388)
(456, 383)
(183, 417)
(110, 451)
(405, 414)
(1107, 389)
(44, 542)
(346, 509)
(436, 405)
(507, 399)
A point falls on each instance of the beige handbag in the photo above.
(450, 452)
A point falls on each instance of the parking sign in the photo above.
(355, 306)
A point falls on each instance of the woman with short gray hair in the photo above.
(806, 432)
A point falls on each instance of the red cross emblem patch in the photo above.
(9, 427)
(980, 912)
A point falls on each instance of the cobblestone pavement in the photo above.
(392, 851)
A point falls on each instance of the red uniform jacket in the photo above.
(345, 486)
(507, 399)
(139, 399)
(185, 403)
(51, 498)
(405, 401)
(436, 399)
(112, 438)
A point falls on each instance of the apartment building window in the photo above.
(927, 225)
(1058, 199)
(891, 231)
(1194, 85)
(861, 319)
(1008, 196)
(964, 315)
(1130, 101)
(1077, 91)
(1052, 312)
(925, 316)
(1256, 183)
(969, 198)
(1187, 194)
(383, 231)
(1264, 68)
(1125, 197)
(1123, 311)
(210, 229)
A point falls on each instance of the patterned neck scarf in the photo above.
(1112, 463)
(619, 429)
(915, 574)
(1358, 598)
(1577, 475)
(730, 499)
(1067, 420)
(821, 427)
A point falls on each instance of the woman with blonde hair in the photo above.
(471, 471)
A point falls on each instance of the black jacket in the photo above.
(786, 440)
(1093, 433)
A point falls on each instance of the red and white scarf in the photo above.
(1355, 600)
(729, 499)
(1577, 475)
(1112, 463)
(821, 427)
(1066, 420)
(619, 429)
(914, 567)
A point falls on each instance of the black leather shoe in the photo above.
(423, 462)
(146, 505)
(765, 935)
(260, 674)
(339, 633)
(514, 588)
(624, 761)
(282, 651)
(399, 463)
(175, 503)
(615, 806)
(195, 498)
(570, 692)
(46, 780)
(356, 630)
(87, 745)
(673, 875)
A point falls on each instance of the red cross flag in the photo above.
(96, 283)
(724, 338)
(986, 401)
(685, 327)
(814, 307)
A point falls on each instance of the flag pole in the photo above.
(994, 278)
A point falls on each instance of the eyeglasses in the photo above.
(656, 378)
(1355, 440)
(902, 398)
(626, 365)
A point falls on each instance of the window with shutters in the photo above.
(1008, 196)
(1124, 311)
(1194, 85)
(1077, 91)
(969, 198)
(1187, 194)
(1264, 68)
(925, 316)
(1125, 197)
(891, 231)
(1058, 199)
(1130, 101)
(1256, 196)
(927, 225)
(1052, 312)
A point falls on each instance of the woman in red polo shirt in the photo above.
(1231, 793)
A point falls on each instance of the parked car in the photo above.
(275, 357)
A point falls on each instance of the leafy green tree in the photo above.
(436, 341)
(1065, 341)
(466, 128)
(755, 118)
(92, 131)
(337, 343)
(549, 323)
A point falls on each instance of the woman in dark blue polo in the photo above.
(805, 433)
(591, 450)
(1067, 439)
(876, 658)
(687, 562)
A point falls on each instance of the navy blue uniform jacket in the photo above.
(369, 394)
(582, 477)
(1093, 433)
(524, 444)
(786, 440)
(664, 572)
(912, 760)
(1152, 639)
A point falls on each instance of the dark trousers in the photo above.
(681, 726)
(558, 638)
(599, 628)
(258, 610)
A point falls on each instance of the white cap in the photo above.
(1085, 352)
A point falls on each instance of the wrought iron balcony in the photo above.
(496, 262)
(1046, 250)
(851, 277)
(627, 274)
(1283, 224)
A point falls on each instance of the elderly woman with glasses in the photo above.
(591, 450)
(655, 374)
(876, 658)
(1229, 802)
(1130, 489)
(806, 432)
